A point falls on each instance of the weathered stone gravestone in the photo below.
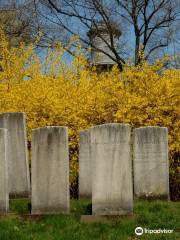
(50, 171)
(112, 192)
(4, 190)
(19, 181)
(151, 168)
(85, 183)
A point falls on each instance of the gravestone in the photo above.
(85, 184)
(50, 171)
(18, 166)
(4, 190)
(151, 168)
(112, 192)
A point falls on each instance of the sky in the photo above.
(128, 32)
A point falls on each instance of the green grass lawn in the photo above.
(151, 215)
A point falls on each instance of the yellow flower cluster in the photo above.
(51, 92)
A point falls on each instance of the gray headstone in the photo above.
(19, 181)
(4, 190)
(112, 192)
(151, 167)
(85, 183)
(50, 171)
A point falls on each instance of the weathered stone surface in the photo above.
(112, 192)
(151, 168)
(85, 183)
(19, 180)
(103, 218)
(50, 171)
(4, 190)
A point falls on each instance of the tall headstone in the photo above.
(4, 190)
(151, 168)
(50, 171)
(112, 192)
(85, 183)
(19, 180)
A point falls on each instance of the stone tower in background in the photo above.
(99, 36)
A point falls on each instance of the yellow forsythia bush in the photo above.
(52, 92)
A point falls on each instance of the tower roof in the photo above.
(102, 28)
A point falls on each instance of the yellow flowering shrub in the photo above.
(52, 92)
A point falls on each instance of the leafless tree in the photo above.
(146, 25)
(17, 21)
(152, 21)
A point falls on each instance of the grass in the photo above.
(151, 215)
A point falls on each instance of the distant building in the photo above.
(96, 35)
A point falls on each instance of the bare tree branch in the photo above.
(145, 18)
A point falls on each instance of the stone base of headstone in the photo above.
(25, 195)
(151, 197)
(103, 219)
(9, 215)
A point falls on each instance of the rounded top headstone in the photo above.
(109, 133)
